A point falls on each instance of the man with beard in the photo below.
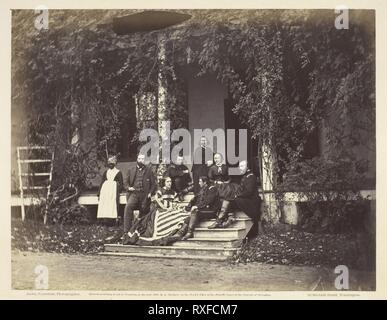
(141, 186)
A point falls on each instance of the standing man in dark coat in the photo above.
(141, 186)
(203, 157)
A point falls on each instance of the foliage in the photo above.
(279, 245)
(293, 76)
(336, 216)
(331, 188)
(288, 76)
(334, 177)
(289, 72)
(70, 214)
(78, 238)
(63, 209)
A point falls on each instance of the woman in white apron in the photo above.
(109, 191)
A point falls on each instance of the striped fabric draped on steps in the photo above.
(157, 225)
(168, 221)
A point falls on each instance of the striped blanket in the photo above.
(157, 227)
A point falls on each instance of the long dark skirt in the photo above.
(158, 227)
(227, 191)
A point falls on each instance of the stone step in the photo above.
(239, 223)
(171, 251)
(228, 233)
(162, 256)
(237, 214)
(209, 242)
(240, 215)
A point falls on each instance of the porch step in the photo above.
(209, 242)
(161, 256)
(228, 233)
(239, 223)
(171, 251)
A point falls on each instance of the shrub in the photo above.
(331, 193)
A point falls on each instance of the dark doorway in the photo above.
(232, 121)
(126, 147)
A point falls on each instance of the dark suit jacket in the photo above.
(148, 182)
(175, 171)
(249, 186)
(214, 175)
(198, 156)
(207, 199)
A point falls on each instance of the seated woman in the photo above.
(165, 196)
(165, 223)
(205, 204)
(227, 190)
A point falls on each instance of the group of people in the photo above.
(162, 216)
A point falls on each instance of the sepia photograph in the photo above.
(193, 150)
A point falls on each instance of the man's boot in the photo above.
(126, 239)
(218, 222)
(188, 235)
(230, 220)
(182, 231)
(220, 217)
(191, 226)
(118, 221)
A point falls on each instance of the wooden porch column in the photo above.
(163, 128)
(272, 210)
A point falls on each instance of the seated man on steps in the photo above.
(246, 199)
(205, 204)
